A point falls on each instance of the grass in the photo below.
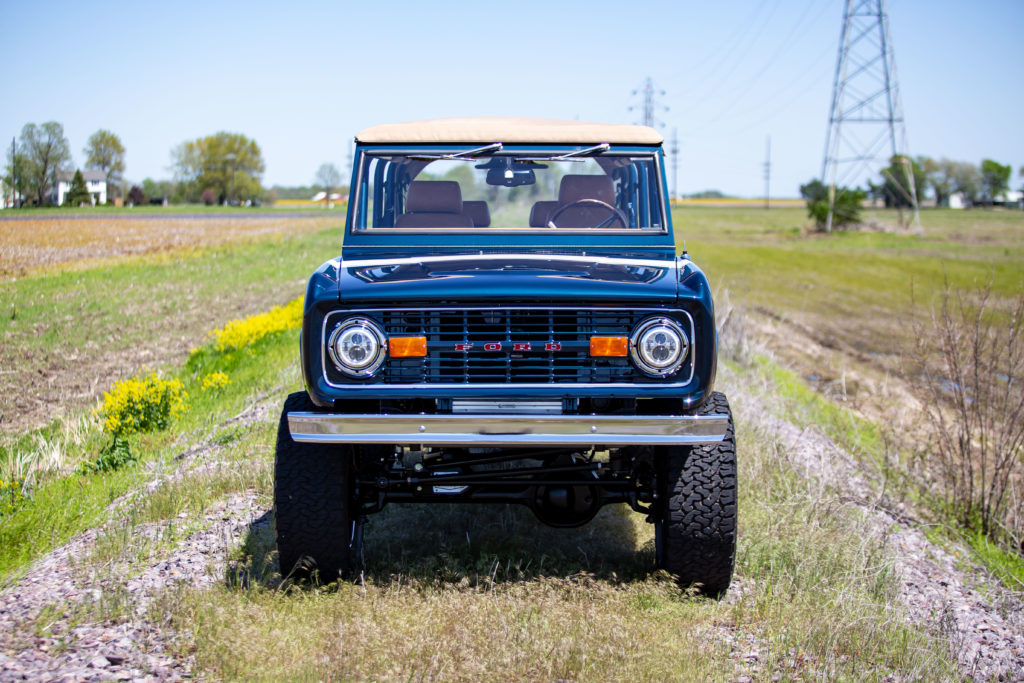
(842, 307)
(63, 504)
(468, 593)
(856, 285)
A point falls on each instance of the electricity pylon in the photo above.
(865, 123)
(650, 104)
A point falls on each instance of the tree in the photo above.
(104, 152)
(227, 164)
(46, 153)
(158, 189)
(995, 179)
(77, 194)
(845, 210)
(327, 178)
(895, 187)
(939, 177)
(15, 181)
(966, 180)
(136, 196)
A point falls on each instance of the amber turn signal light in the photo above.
(407, 347)
(609, 346)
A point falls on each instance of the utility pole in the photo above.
(14, 173)
(650, 104)
(675, 163)
(865, 98)
(767, 172)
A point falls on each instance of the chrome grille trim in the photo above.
(446, 326)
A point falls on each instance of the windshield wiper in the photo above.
(572, 156)
(465, 155)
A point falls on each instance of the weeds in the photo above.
(975, 408)
(10, 496)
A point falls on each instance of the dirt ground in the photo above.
(72, 352)
(33, 243)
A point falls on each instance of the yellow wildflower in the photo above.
(214, 381)
(142, 404)
(237, 334)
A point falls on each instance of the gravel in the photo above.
(982, 621)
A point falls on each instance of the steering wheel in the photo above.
(617, 214)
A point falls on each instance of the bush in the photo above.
(975, 409)
(845, 211)
(208, 197)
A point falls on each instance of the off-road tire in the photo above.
(696, 527)
(312, 503)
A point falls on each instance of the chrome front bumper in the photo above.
(508, 430)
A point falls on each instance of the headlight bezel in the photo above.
(652, 367)
(376, 358)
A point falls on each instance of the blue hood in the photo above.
(507, 277)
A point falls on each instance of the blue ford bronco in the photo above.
(508, 322)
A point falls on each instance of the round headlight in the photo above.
(658, 346)
(358, 347)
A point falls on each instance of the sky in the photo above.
(302, 79)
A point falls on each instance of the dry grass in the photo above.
(30, 244)
(480, 593)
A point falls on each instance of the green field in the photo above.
(857, 285)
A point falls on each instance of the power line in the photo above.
(674, 150)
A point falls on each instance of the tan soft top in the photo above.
(508, 129)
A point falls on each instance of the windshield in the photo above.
(496, 186)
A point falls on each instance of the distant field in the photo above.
(840, 308)
(33, 241)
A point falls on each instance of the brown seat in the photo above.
(434, 204)
(540, 212)
(576, 187)
(479, 212)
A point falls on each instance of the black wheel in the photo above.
(312, 503)
(695, 534)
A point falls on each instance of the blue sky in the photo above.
(303, 78)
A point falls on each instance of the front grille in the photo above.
(506, 346)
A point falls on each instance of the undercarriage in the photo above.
(563, 487)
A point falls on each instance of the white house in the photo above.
(95, 183)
